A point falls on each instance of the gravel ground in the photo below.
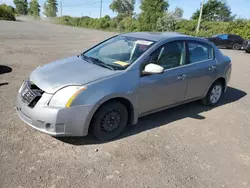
(187, 146)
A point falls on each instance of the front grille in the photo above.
(31, 94)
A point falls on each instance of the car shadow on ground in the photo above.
(3, 84)
(5, 69)
(165, 117)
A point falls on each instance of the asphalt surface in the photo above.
(187, 146)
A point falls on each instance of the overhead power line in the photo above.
(88, 3)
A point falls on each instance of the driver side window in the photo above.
(223, 37)
(170, 55)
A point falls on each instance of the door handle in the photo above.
(212, 68)
(182, 77)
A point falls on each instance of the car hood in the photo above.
(70, 71)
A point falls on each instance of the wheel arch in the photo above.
(223, 81)
(125, 101)
(220, 79)
(234, 43)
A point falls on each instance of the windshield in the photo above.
(118, 52)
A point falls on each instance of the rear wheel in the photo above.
(109, 121)
(236, 46)
(248, 51)
(214, 94)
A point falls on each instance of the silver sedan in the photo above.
(120, 80)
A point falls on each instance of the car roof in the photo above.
(226, 34)
(154, 36)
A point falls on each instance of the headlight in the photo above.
(64, 97)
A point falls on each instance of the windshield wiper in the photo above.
(101, 63)
(96, 61)
(86, 58)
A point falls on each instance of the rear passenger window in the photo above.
(235, 37)
(199, 52)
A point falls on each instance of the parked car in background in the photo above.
(227, 41)
(246, 46)
(119, 80)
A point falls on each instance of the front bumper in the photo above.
(246, 46)
(54, 121)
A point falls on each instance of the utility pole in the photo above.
(101, 9)
(61, 7)
(199, 21)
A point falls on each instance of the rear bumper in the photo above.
(54, 121)
(228, 76)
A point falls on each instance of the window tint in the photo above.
(119, 46)
(199, 52)
(235, 37)
(223, 37)
(170, 55)
(120, 51)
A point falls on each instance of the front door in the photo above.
(161, 90)
(222, 40)
(201, 70)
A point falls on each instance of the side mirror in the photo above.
(153, 69)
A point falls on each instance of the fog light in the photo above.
(48, 125)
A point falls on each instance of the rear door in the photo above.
(232, 40)
(235, 39)
(201, 69)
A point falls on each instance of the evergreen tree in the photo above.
(50, 8)
(34, 8)
(21, 6)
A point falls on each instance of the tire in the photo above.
(248, 51)
(212, 98)
(236, 46)
(109, 121)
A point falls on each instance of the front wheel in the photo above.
(109, 121)
(248, 51)
(214, 94)
(236, 46)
